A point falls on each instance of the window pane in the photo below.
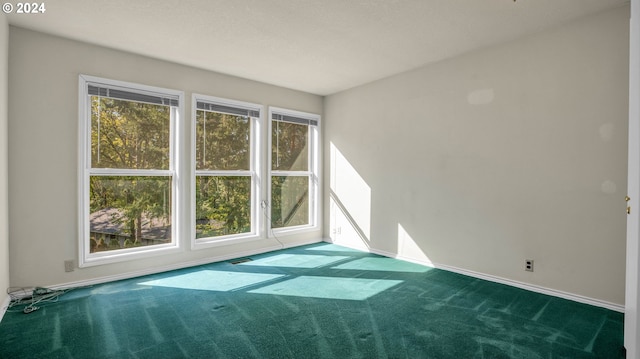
(222, 141)
(289, 201)
(223, 205)
(129, 211)
(289, 146)
(131, 135)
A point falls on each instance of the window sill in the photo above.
(203, 243)
(126, 255)
(293, 230)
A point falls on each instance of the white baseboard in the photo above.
(536, 288)
(510, 282)
(491, 278)
(155, 270)
(5, 306)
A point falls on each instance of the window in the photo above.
(293, 170)
(142, 188)
(226, 179)
(128, 175)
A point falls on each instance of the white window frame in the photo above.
(86, 258)
(313, 173)
(255, 170)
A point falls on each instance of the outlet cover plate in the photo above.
(68, 266)
(528, 265)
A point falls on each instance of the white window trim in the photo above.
(85, 258)
(315, 185)
(255, 171)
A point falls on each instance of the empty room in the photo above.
(320, 179)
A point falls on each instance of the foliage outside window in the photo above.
(225, 175)
(294, 169)
(129, 177)
(132, 186)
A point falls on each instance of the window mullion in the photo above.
(224, 173)
(291, 173)
(128, 172)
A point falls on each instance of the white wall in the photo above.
(43, 148)
(479, 162)
(4, 212)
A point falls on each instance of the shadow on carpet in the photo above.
(315, 301)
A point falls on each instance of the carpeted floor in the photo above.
(316, 301)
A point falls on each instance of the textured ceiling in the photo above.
(317, 46)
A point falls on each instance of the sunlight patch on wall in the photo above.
(350, 203)
(221, 281)
(344, 231)
(295, 261)
(409, 249)
(329, 287)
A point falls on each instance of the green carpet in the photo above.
(315, 301)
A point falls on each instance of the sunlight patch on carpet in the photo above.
(213, 280)
(295, 261)
(329, 287)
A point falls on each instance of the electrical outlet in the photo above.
(528, 265)
(68, 265)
